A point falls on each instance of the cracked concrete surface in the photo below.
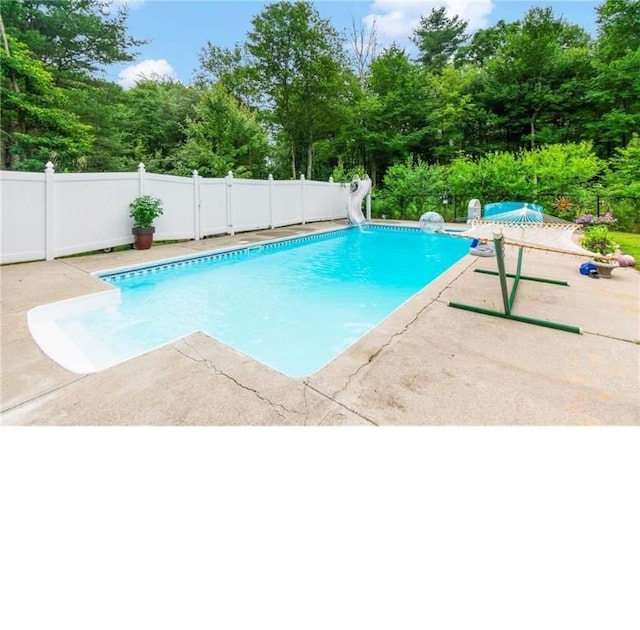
(424, 364)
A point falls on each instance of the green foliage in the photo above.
(438, 37)
(394, 116)
(597, 240)
(454, 121)
(527, 175)
(622, 184)
(536, 79)
(627, 212)
(102, 106)
(485, 44)
(155, 122)
(562, 169)
(297, 61)
(222, 135)
(411, 188)
(503, 177)
(624, 177)
(614, 98)
(36, 123)
(74, 38)
(342, 175)
(619, 28)
(144, 210)
(53, 108)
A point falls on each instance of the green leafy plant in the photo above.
(144, 210)
(597, 240)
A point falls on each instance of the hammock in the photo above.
(530, 228)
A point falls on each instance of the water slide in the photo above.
(360, 188)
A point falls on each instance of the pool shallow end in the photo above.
(53, 342)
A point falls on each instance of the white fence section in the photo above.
(46, 215)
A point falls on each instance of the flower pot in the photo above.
(605, 268)
(143, 237)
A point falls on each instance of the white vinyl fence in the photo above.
(46, 215)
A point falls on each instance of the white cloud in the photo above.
(149, 69)
(397, 19)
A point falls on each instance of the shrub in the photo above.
(596, 240)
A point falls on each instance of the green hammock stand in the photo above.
(509, 298)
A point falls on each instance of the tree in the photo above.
(618, 28)
(64, 111)
(36, 124)
(438, 38)
(615, 93)
(222, 135)
(623, 182)
(395, 111)
(297, 62)
(485, 44)
(156, 116)
(102, 106)
(364, 49)
(228, 67)
(623, 178)
(454, 117)
(73, 38)
(535, 81)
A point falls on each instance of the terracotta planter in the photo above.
(144, 237)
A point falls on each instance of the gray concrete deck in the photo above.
(426, 364)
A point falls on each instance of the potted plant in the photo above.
(143, 212)
(597, 240)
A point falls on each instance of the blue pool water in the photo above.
(293, 305)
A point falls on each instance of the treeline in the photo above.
(297, 97)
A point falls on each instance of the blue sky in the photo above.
(179, 29)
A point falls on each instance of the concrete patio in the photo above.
(426, 364)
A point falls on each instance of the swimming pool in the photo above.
(292, 304)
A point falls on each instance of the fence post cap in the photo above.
(270, 178)
(141, 168)
(48, 167)
(195, 172)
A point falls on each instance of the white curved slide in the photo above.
(360, 188)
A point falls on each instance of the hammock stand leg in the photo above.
(509, 298)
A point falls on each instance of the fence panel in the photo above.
(339, 201)
(92, 211)
(213, 211)
(286, 203)
(324, 201)
(249, 205)
(22, 218)
(177, 221)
